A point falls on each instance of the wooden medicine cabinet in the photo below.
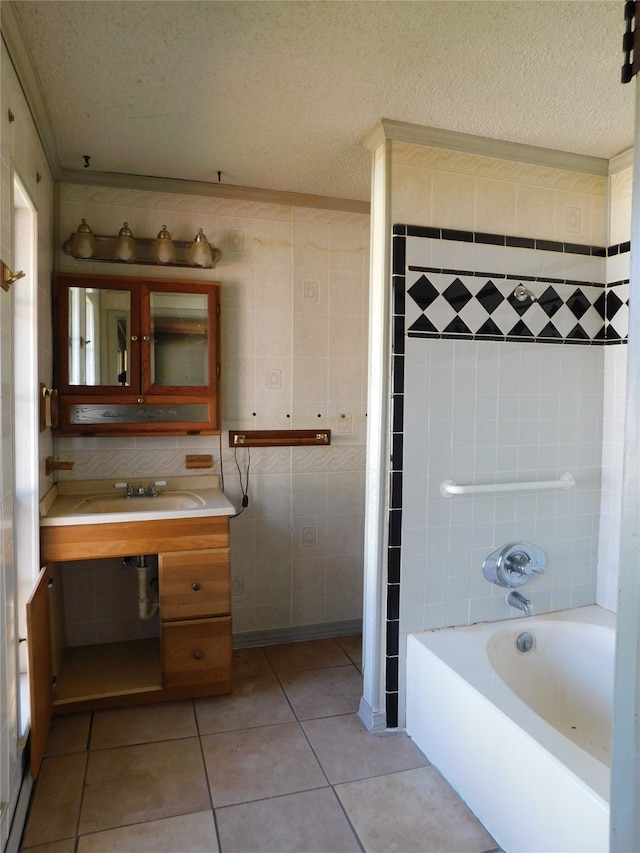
(136, 356)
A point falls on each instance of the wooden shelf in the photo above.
(279, 438)
(109, 669)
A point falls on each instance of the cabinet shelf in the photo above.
(144, 245)
(109, 669)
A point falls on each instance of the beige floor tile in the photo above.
(249, 663)
(190, 833)
(264, 762)
(314, 654)
(68, 733)
(347, 751)
(54, 810)
(412, 810)
(323, 692)
(133, 784)
(254, 702)
(67, 845)
(352, 646)
(142, 724)
(309, 822)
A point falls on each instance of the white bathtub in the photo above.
(523, 737)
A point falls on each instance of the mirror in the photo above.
(99, 333)
(179, 338)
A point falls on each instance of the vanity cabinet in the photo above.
(195, 602)
(136, 356)
(192, 656)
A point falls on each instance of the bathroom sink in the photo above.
(98, 502)
(161, 502)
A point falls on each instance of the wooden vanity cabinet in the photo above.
(192, 656)
(136, 356)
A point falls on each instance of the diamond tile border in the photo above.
(447, 303)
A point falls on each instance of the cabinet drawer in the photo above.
(197, 652)
(194, 584)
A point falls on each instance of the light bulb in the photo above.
(163, 251)
(200, 251)
(83, 243)
(124, 248)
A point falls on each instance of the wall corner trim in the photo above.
(621, 161)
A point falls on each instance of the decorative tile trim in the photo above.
(442, 159)
(456, 305)
(481, 305)
(96, 463)
(506, 240)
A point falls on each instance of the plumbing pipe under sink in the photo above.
(146, 609)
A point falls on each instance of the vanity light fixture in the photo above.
(199, 254)
(83, 243)
(124, 247)
(155, 251)
(163, 251)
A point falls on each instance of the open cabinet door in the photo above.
(40, 667)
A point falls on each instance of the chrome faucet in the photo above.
(515, 599)
(140, 491)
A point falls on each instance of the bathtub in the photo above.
(524, 737)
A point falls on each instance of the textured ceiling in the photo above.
(278, 95)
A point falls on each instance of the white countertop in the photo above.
(58, 506)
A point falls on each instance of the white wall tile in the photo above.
(292, 288)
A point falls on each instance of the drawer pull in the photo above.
(196, 587)
(198, 655)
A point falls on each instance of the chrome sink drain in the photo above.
(525, 642)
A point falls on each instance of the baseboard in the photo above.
(375, 721)
(297, 634)
(20, 814)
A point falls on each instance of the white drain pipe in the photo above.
(146, 609)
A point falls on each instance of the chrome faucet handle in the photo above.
(513, 564)
(151, 490)
(129, 490)
(518, 562)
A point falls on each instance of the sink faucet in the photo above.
(515, 599)
(139, 492)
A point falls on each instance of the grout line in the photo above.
(280, 677)
(84, 779)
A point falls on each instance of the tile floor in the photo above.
(282, 764)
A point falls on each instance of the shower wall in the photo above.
(482, 392)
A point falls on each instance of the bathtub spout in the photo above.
(515, 599)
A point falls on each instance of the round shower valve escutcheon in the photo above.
(513, 564)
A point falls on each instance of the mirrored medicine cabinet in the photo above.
(136, 356)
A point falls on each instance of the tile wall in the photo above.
(481, 401)
(294, 340)
(497, 404)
